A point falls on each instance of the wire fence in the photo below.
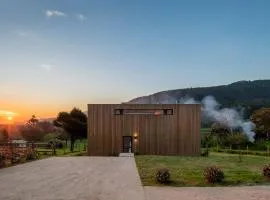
(247, 150)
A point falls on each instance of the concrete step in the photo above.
(126, 155)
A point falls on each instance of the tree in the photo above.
(221, 129)
(47, 126)
(74, 123)
(261, 118)
(236, 139)
(62, 134)
(33, 120)
(35, 130)
(4, 135)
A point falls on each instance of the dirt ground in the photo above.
(72, 178)
(208, 193)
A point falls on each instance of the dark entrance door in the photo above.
(127, 144)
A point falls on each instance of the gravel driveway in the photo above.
(103, 178)
(208, 193)
(72, 178)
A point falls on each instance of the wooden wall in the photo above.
(177, 134)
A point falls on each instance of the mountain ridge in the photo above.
(254, 93)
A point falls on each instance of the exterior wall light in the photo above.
(135, 136)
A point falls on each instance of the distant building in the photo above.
(19, 143)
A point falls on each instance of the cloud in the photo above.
(47, 67)
(5, 113)
(22, 33)
(80, 17)
(55, 13)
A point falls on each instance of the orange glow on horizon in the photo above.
(23, 111)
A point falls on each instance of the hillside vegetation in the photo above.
(242, 92)
(249, 94)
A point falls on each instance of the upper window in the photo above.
(143, 112)
(168, 111)
(118, 111)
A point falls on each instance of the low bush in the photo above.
(16, 158)
(213, 175)
(31, 155)
(258, 146)
(205, 153)
(266, 171)
(2, 161)
(58, 144)
(163, 176)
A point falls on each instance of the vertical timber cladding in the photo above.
(176, 134)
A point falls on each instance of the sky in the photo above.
(57, 54)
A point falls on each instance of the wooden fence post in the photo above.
(84, 145)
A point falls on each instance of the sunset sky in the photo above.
(57, 54)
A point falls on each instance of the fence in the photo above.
(14, 151)
(245, 151)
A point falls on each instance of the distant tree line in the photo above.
(68, 126)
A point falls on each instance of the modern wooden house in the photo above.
(155, 129)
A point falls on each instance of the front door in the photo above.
(127, 144)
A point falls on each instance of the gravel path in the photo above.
(208, 193)
(69, 178)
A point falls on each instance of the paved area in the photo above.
(103, 178)
(69, 178)
(208, 193)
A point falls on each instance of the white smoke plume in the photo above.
(227, 117)
(211, 111)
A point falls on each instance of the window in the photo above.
(143, 112)
(118, 111)
(168, 111)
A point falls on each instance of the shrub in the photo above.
(235, 140)
(266, 171)
(58, 144)
(213, 175)
(163, 176)
(2, 161)
(16, 158)
(205, 153)
(32, 155)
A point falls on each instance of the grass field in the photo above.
(80, 147)
(188, 171)
(205, 130)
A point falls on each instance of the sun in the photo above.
(9, 118)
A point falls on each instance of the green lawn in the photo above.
(188, 171)
(205, 130)
(80, 147)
